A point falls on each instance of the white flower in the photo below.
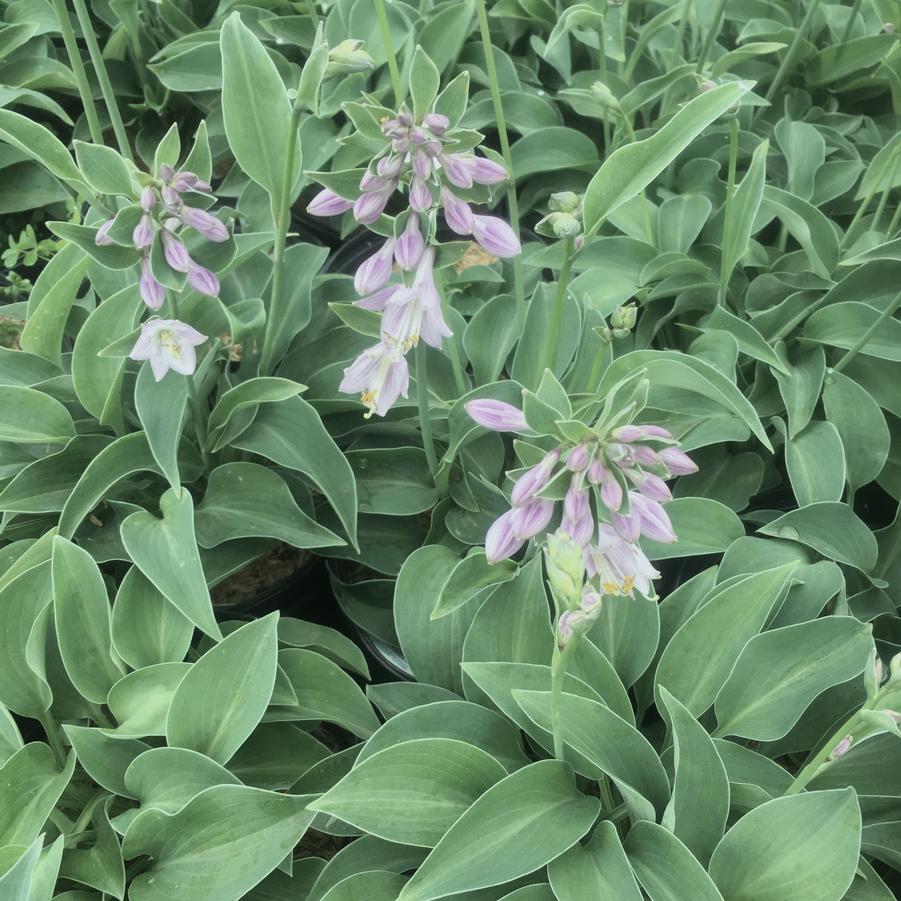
(168, 344)
(380, 375)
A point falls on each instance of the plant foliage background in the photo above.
(555, 247)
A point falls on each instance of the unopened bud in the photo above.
(841, 748)
(565, 202)
(604, 333)
(347, 57)
(705, 85)
(566, 569)
(604, 95)
(624, 317)
(889, 27)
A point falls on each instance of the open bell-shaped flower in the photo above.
(380, 374)
(168, 344)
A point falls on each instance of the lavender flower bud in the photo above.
(656, 431)
(436, 123)
(535, 479)
(841, 748)
(652, 518)
(458, 169)
(645, 456)
(628, 433)
(420, 195)
(410, 245)
(591, 601)
(205, 223)
(677, 462)
(152, 292)
(102, 238)
(405, 118)
(627, 525)
(457, 213)
(389, 166)
(175, 252)
(531, 519)
(148, 199)
(142, 236)
(568, 624)
(328, 203)
(433, 148)
(370, 206)
(496, 415)
(167, 173)
(495, 236)
(171, 199)
(578, 458)
(202, 280)
(422, 164)
(598, 474)
(650, 486)
(375, 271)
(500, 542)
(370, 182)
(612, 494)
(487, 172)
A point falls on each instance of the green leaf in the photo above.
(30, 786)
(414, 791)
(18, 874)
(82, 616)
(861, 426)
(424, 82)
(812, 230)
(39, 144)
(815, 460)
(703, 526)
(246, 500)
(103, 758)
(517, 826)
(161, 409)
(51, 301)
(699, 807)
(630, 169)
(830, 528)
(665, 868)
(731, 616)
(146, 628)
(393, 481)
(432, 648)
(800, 389)
(225, 694)
(256, 110)
(326, 692)
(32, 417)
(140, 701)
(104, 169)
(166, 552)
(374, 885)
(611, 743)
(247, 396)
(221, 844)
(844, 324)
(797, 848)
(472, 576)
(291, 434)
(779, 672)
(750, 341)
(598, 870)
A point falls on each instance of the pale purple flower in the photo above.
(841, 748)
(627, 525)
(410, 245)
(380, 374)
(578, 521)
(436, 123)
(373, 183)
(433, 327)
(420, 195)
(488, 172)
(168, 344)
(328, 203)
(402, 319)
(532, 518)
(458, 169)
(650, 485)
(578, 458)
(457, 213)
(500, 540)
(621, 566)
(102, 238)
(374, 272)
(677, 462)
(378, 300)
(612, 494)
(142, 235)
(534, 479)
(389, 166)
(205, 223)
(496, 415)
(148, 199)
(656, 431)
(569, 621)
(591, 600)
(628, 433)
(370, 205)
(645, 456)
(175, 252)
(189, 181)
(653, 519)
(171, 199)
(495, 236)
(422, 164)
(202, 280)
(152, 292)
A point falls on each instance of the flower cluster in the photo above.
(420, 159)
(164, 212)
(613, 490)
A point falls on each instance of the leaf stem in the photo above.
(422, 403)
(519, 289)
(730, 194)
(555, 323)
(710, 37)
(558, 672)
(810, 770)
(276, 315)
(106, 87)
(865, 337)
(789, 58)
(385, 28)
(78, 70)
(54, 739)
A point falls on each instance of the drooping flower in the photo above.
(375, 270)
(380, 375)
(101, 237)
(205, 223)
(328, 203)
(501, 541)
(152, 292)
(202, 280)
(496, 415)
(495, 236)
(168, 344)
